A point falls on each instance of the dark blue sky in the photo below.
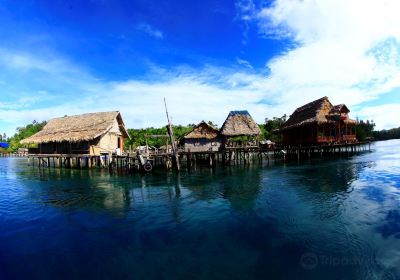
(206, 57)
(108, 37)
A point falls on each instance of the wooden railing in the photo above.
(349, 138)
(326, 139)
(331, 139)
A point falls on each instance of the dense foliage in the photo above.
(364, 130)
(269, 129)
(24, 132)
(154, 136)
(157, 137)
(3, 137)
(393, 133)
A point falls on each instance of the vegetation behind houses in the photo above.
(364, 130)
(154, 136)
(384, 134)
(139, 137)
(22, 133)
(270, 128)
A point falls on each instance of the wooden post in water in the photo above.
(171, 137)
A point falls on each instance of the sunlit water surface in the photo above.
(320, 219)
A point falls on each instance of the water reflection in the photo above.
(240, 186)
(227, 223)
(391, 225)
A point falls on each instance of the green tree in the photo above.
(384, 134)
(139, 137)
(209, 122)
(364, 129)
(271, 128)
(22, 133)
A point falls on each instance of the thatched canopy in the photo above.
(202, 131)
(338, 109)
(78, 128)
(240, 123)
(318, 111)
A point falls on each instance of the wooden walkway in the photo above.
(7, 155)
(230, 156)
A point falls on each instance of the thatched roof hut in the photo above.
(78, 128)
(319, 111)
(338, 109)
(202, 131)
(240, 123)
(319, 122)
(203, 138)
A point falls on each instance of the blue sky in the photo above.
(206, 57)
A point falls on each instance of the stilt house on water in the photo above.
(319, 122)
(240, 123)
(93, 133)
(203, 138)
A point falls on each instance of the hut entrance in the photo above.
(120, 143)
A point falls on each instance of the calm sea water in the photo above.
(320, 219)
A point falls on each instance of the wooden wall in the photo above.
(203, 145)
(318, 134)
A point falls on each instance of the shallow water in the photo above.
(320, 219)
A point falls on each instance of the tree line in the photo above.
(154, 136)
(22, 133)
(364, 130)
(384, 134)
(151, 136)
(3, 137)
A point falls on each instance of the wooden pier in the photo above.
(8, 155)
(112, 162)
(298, 152)
(131, 163)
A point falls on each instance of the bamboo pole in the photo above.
(171, 136)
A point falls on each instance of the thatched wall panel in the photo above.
(203, 145)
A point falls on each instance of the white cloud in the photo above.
(150, 30)
(245, 11)
(192, 95)
(243, 62)
(385, 116)
(347, 50)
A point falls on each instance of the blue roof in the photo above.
(244, 112)
(4, 145)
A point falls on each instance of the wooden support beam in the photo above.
(171, 137)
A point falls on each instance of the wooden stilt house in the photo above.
(240, 124)
(93, 133)
(319, 122)
(203, 138)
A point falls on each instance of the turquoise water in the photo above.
(319, 219)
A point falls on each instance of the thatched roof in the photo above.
(341, 108)
(240, 123)
(202, 131)
(78, 128)
(317, 111)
